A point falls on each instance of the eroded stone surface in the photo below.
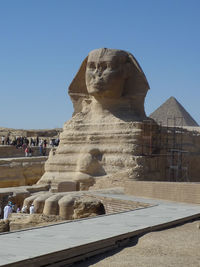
(104, 133)
(68, 205)
(21, 171)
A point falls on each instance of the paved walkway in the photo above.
(65, 242)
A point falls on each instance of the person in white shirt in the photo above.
(32, 209)
(7, 210)
(24, 209)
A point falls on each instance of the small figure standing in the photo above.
(18, 209)
(24, 209)
(32, 209)
(30, 151)
(7, 210)
(41, 148)
(2, 140)
(37, 141)
(26, 152)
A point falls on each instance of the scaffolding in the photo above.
(177, 169)
(151, 138)
(167, 142)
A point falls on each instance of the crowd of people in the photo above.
(27, 144)
(12, 208)
(21, 141)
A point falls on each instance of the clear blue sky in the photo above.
(43, 42)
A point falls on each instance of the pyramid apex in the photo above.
(171, 113)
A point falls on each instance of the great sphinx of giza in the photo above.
(103, 136)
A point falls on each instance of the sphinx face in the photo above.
(105, 74)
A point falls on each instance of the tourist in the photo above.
(51, 143)
(18, 209)
(32, 143)
(7, 210)
(57, 141)
(24, 146)
(45, 142)
(37, 141)
(32, 209)
(2, 140)
(7, 140)
(41, 147)
(24, 209)
(13, 208)
(30, 152)
(26, 152)
(44, 151)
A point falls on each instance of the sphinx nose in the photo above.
(98, 72)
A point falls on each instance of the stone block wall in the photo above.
(165, 147)
(21, 171)
(173, 191)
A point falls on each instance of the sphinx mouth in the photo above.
(98, 84)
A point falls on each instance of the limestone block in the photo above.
(67, 186)
(21, 171)
(87, 207)
(39, 201)
(19, 221)
(4, 226)
(66, 207)
(51, 205)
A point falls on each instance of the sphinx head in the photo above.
(108, 73)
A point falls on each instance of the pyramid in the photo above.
(172, 113)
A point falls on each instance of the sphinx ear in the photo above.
(127, 69)
(78, 85)
(77, 89)
(136, 82)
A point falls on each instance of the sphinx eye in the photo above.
(103, 66)
(91, 65)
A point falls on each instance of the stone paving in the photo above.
(58, 243)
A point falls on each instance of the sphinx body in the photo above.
(103, 137)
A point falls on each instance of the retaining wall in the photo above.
(21, 171)
(173, 191)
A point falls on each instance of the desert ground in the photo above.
(174, 247)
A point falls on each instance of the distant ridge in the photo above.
(173, 109)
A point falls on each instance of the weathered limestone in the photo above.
(18, 221)
(4, 226)
(108, 141)
(68, 205)
(21, 171)
(104, 135)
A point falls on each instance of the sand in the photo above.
(173, 247)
